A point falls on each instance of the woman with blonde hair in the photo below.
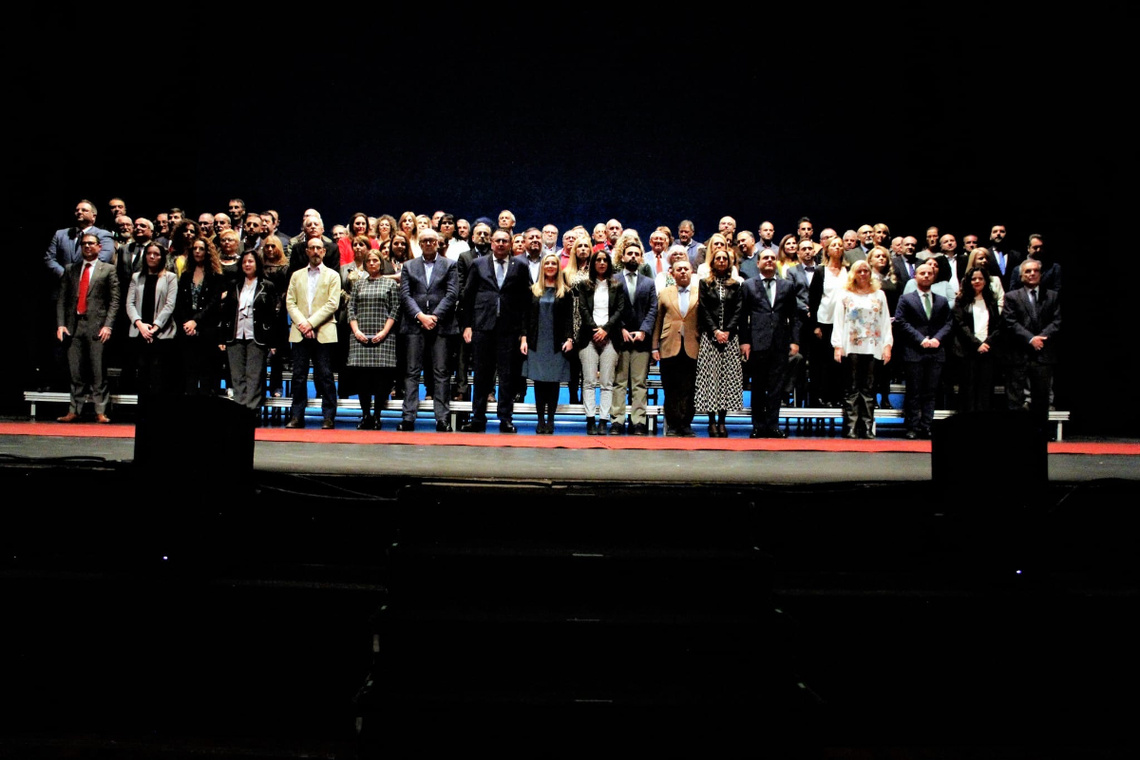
(719, 380)
(548, 339)
(860, 337)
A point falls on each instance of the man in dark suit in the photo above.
(496, 292)
(429, 291)
(1003, 259)
(675, 339)
(480, 246)
(955, 260)
(770, 334)
(85, 312)
(633, 345)
(906, 262)
(922, 324)
(1032, 317)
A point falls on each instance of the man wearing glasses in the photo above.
(85, 313)
(312, 301)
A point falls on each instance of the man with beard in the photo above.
(634, 346)
(1003, 259)
(312, 301)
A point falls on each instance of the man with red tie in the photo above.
(85, 313)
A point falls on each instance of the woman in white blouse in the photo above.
(861, 335)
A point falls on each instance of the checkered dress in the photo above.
(372, 303)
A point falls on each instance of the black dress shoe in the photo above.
(639, 430)
(591, 426)
(756, 433)
(850, 434)
(367, 422)
(617, 429)
(328, 424)
(443, 427)
(405, 426)
(507, 427)
(777, 433)
(688, 433)
(295, 424)
(474, 427)
(910, 435)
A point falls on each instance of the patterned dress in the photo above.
(719, 384)
(373, 302)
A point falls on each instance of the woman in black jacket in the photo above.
(201, 289)
(978, 324)
(248, 318)
(547, 340)
(602, 304)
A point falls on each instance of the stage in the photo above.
(569, 457)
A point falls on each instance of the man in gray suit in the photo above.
(429, 293)
(85, 313)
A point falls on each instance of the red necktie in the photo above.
(84, 280)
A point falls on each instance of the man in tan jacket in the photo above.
(312, 301)
(675, 339)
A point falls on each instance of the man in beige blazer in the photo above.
(675, 338)
(312, 301)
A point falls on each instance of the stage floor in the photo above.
(567, 457)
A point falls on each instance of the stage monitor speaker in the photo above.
(210, 429)
(1001, 449)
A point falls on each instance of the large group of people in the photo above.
(183, 305)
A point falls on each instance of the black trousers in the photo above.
(679, 380)
(495, 351)
(767, 369)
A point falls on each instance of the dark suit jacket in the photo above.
(967, 343)
(439, 298)
(102, 296)
(208, 313)
(912, 327)
(766, 326)
(125, 267)
(485, 305)
(618, 309)
(1021, 326)
(264, 312)
(522, 259)
(563, 320)
(801, 278)
(1013, 261)
(641, 312)
(901, 270)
